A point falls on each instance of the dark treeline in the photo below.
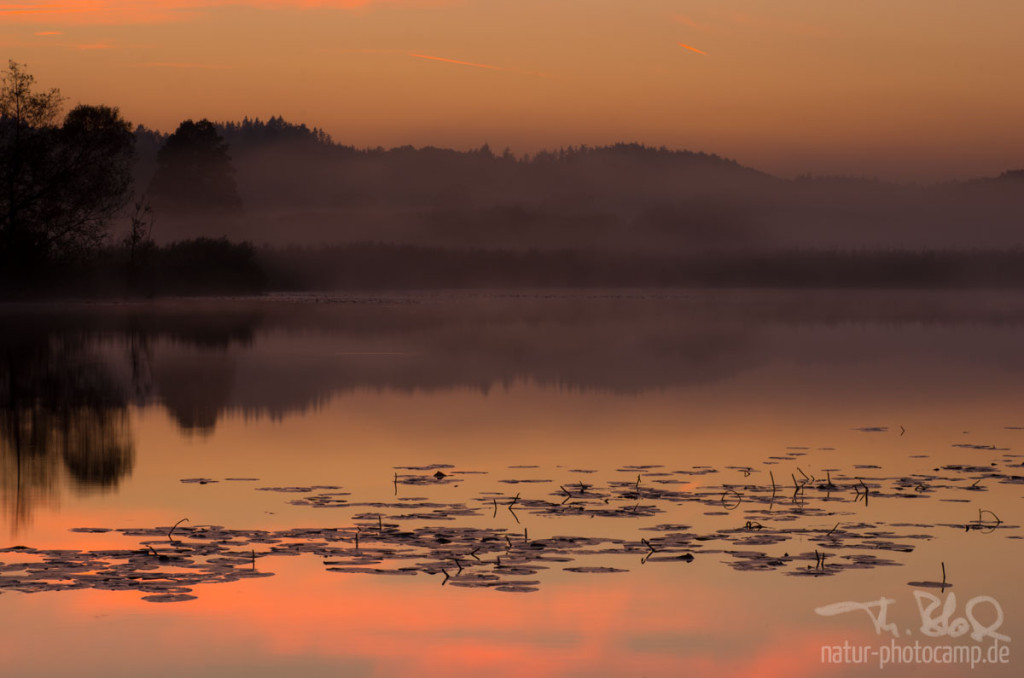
(67, 184)
(190, 267)
(89, 205)
(217, 266)
(62, 179)
(387, 266)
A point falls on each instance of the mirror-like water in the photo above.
(600, 483)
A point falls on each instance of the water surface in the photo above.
(601, 483)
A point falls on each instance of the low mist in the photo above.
(297, 187)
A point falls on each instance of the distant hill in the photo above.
(299, 186)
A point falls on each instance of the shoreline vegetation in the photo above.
(208, 266)
(390, 266)
(92, 206)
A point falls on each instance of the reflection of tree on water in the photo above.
(196, 387)
(68, 376)
(62, 416)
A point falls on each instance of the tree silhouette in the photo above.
(59, 185)
(194, 172)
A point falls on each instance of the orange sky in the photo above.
(915, 89)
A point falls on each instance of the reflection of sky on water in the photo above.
(341, 394)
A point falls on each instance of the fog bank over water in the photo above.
(297, 186)
(285, 354)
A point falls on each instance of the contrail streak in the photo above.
(693, 49)
(475, 65)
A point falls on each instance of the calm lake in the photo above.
(600, 483)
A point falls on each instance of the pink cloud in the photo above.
(692, 49)
(159, 11)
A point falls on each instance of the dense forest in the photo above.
(90, 204)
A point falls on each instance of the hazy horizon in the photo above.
(907, 92)
(293, 188)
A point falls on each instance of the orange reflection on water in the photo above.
(615, 626)
(310, 409)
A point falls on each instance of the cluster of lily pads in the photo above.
(484, 541)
